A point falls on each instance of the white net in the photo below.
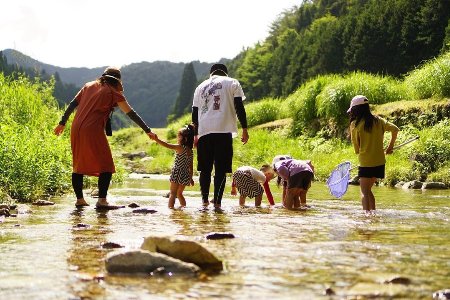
(338, 181)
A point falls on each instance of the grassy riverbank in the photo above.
(309, 124)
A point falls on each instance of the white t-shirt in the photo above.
(255, 173)
(214, 98)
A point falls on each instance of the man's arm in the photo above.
(242, 117)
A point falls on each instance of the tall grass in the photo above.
(33, 161)
(432, 79)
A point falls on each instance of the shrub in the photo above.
(432, 79)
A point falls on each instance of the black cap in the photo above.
(218, 68)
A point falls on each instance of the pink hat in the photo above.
(357, 100)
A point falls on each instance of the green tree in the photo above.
(183, 102)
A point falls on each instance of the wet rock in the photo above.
(329, 292)
(415, 184)
(400, 184)
(398, 280)
(144, 211)
(43, 203)
(23, 209)
(184, 250)
(158, 271)
(94, 193)
(141, 261)
(4, 212)
(133, 205)
(82, 225)
(442, 294)
(434, 185)
(219, 235)
(375, 291)
(140, 154)
(111, 245)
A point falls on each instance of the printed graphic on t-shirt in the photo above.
(210, 90)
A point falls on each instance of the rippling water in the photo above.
(277, 254)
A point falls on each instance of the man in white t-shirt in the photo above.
(216, 107)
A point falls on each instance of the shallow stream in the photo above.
(277, 254)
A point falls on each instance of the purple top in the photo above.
(288, 167)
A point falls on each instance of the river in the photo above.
(276, 254)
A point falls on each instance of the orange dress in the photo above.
(91, 154)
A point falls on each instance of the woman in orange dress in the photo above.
(91, 154)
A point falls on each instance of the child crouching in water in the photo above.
(296, 176)
(248, 181)
(182, 170)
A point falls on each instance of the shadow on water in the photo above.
(56, 252)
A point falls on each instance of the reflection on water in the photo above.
(56, 251)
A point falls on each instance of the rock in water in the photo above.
(141, 261)
(184, 250)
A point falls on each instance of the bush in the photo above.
(432, 79)
(263, 111)
(33, 161)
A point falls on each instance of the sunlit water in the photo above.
(277, 254)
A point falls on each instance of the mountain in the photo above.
(150, 87)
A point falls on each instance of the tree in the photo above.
(183, 102)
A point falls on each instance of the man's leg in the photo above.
(219, 186)
(205, 159)
(223, 158)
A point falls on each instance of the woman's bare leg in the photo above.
(367, 197)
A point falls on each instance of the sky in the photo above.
(95, 33)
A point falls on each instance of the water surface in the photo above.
(277, 254)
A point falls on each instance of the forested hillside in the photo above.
(389, 37)
(150, 87)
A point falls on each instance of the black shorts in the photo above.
(371, 172)
(300, 180)
(215, 149)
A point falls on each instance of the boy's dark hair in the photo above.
(360, 112)
(187, 133)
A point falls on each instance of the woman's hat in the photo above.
(112, 72)
(357, 100)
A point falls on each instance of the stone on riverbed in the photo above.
(434, 185)
(442, 294)
(43, 203)
(141, 261)
(219, 235)
(415, 184)
(184, 250)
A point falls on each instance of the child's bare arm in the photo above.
(175, 147)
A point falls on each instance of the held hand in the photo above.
(245, 136)
(152, 135)
(59, 129)
(192, 182)
(233, 192)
